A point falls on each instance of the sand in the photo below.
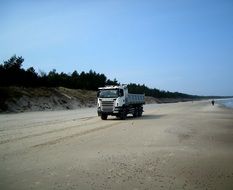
(173, 146)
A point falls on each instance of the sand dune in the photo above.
(173, 146)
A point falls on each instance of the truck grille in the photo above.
(107, 106)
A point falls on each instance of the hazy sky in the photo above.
(175, 45)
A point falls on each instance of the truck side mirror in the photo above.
(98, 94)
(121, 92)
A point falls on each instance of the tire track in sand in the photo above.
(48, 132)
(58, 140)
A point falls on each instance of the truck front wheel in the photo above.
(123, 114)
(104, 116)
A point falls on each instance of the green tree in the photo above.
(14, 63)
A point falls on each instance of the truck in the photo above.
(117, 101)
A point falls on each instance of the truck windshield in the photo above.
(108, 93)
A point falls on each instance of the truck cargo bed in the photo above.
(136, 99)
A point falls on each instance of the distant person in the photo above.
(212, 102)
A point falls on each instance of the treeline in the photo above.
(12, 74)
(142, 89)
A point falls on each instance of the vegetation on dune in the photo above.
(12, 74)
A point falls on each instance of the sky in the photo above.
(174, 45)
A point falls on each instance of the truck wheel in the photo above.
(139, 112)
(123, 115)
(136, 112)
(104, 116)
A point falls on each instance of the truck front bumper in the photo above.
(115, 111)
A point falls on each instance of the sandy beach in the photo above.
(172, 146)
